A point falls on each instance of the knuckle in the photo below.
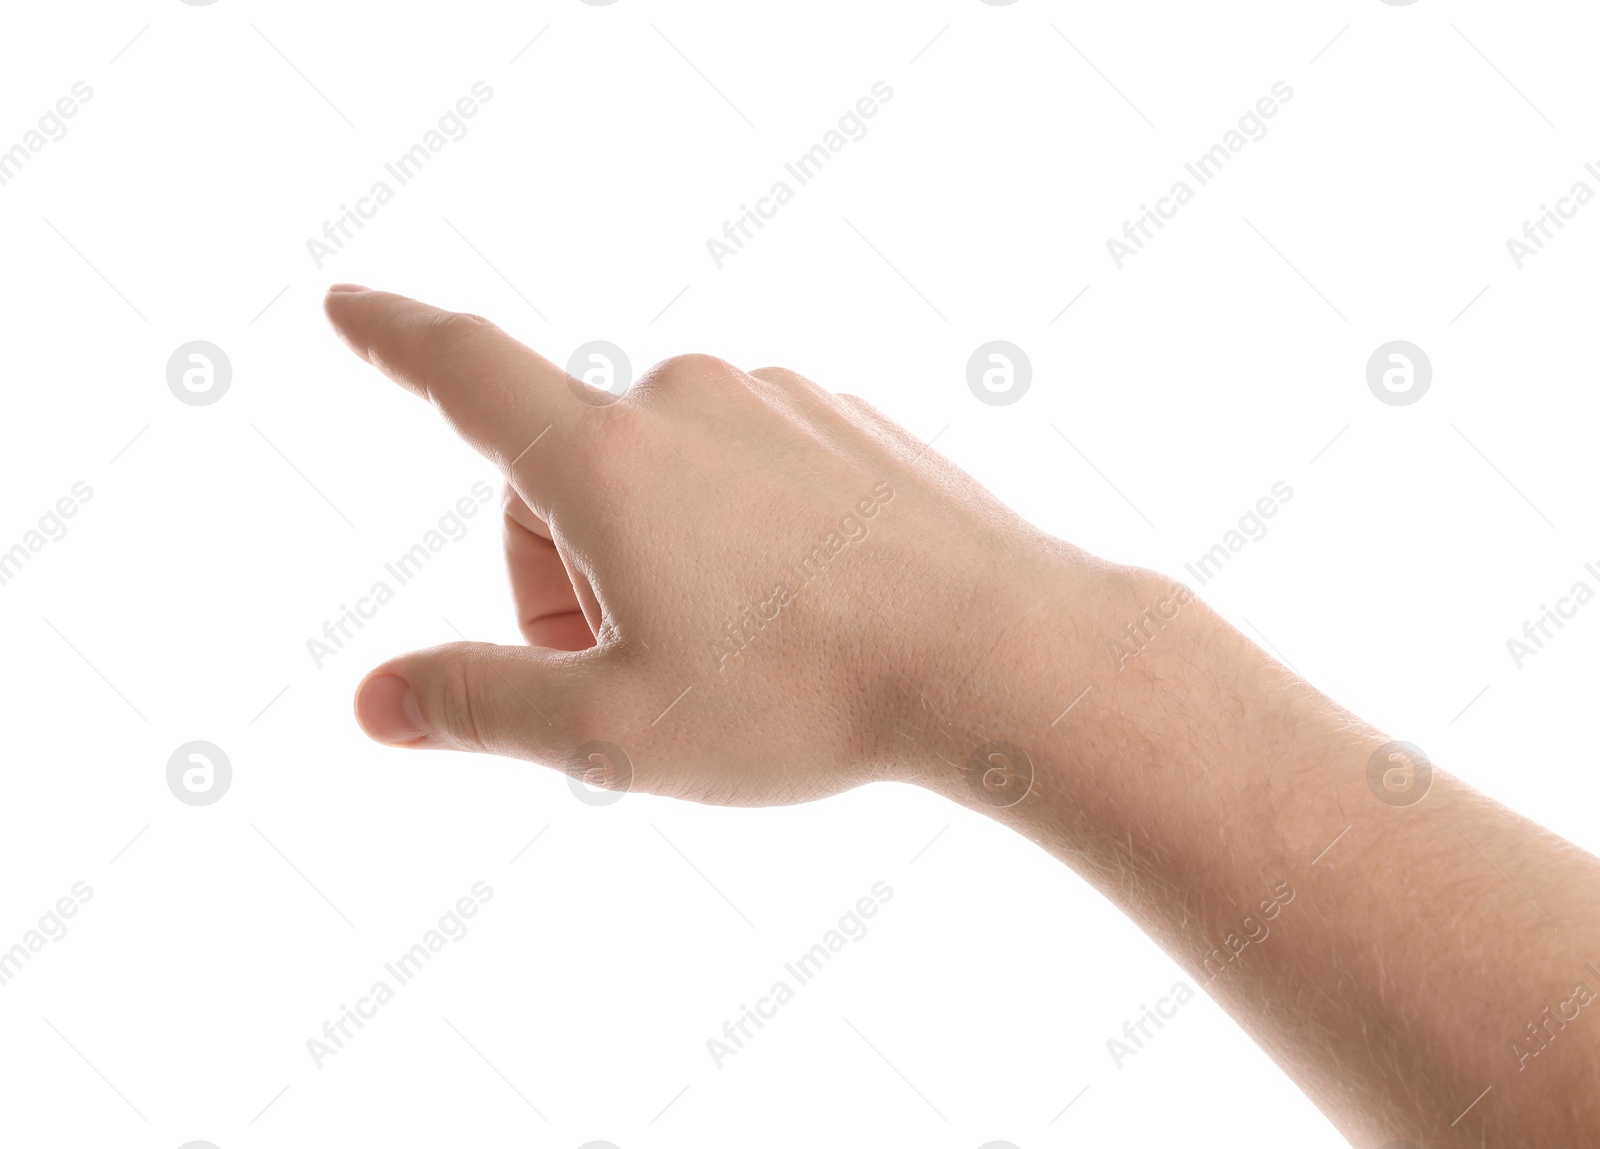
(454, 332)
(786, 381)
(458, 700)
(687, 373)
(695, 365)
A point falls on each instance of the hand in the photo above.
(753, 591)
(759, 591)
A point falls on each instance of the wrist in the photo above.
(1003, 708)
(1131, 731)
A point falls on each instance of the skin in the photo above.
(1394, 939)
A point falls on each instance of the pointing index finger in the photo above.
(497, 394)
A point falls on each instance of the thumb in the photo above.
(518, 701)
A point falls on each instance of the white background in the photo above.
(1230, 354)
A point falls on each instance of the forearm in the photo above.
(1387, 956)
(1417, 968)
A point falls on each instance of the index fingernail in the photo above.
(339, 287)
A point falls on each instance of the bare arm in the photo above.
(738, 587)
(1423, 962)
